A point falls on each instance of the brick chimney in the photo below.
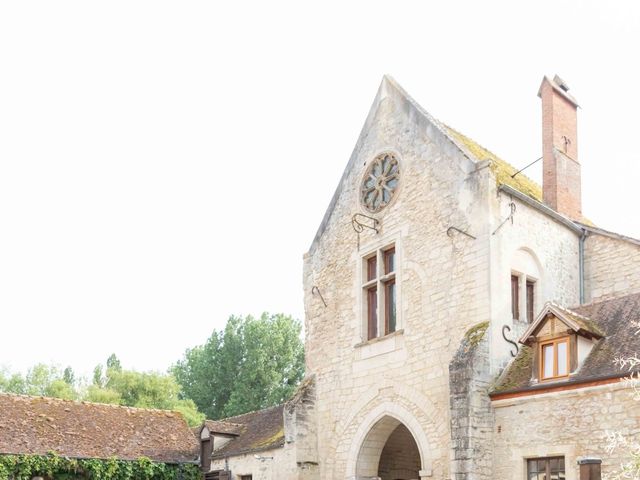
(561, 170)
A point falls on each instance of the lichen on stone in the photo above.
(476, 333)
(263, 442)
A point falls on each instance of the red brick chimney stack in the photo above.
(561, 170)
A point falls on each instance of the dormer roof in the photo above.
(580, 324)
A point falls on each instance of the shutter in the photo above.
(225, 475)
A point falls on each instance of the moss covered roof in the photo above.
(502, 170)
(261, 430)
(616, 319)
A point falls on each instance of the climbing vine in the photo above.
(55, 467)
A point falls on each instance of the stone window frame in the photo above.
(367, 251)
(524, 280)
(520, 456)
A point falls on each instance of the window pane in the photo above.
(547, 361)
(530, 302)
(515, 286)
(562, 358)
(390, 302)
(371, 268)
(390, 260)
(372, 313)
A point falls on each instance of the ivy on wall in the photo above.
(52, 466)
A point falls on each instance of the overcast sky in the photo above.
(164, 165)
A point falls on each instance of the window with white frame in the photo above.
(379, 292)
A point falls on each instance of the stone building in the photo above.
(434, 266)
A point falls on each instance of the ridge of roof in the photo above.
(85, 402)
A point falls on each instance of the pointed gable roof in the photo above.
(503, 171)
(578, 323)
(388, 88)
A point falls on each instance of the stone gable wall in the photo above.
(442, 291)
(612, 268)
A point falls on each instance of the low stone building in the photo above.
(434, 266)
(72, 434)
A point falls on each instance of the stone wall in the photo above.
(471, 414)
(612, 267)
(553, 250)
(274, 464)
(442, 283)
(572, 423)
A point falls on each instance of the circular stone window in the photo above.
(380, 182)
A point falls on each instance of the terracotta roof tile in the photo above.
(225, 428)
(39, 425)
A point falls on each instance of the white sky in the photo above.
(166, 164)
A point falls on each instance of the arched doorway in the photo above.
(389, 452)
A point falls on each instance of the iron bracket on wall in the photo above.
(504, 335)
(368, 222)
(450, 231)
(315, 290)
(512, 208)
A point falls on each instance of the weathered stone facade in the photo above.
(431, 377)
(572, 424)
(477, 256)
(611, 264)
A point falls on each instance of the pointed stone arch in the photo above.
(373, 434)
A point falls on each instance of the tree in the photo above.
(68, 376)
(113, 363)
(251, 364)
(140, 389)
(40, 380)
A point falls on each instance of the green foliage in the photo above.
(40, 380)
(252, 364)
(24, 467)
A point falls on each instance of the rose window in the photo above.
(380, 182)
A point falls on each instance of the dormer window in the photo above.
(560, 339)
(554, 358)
